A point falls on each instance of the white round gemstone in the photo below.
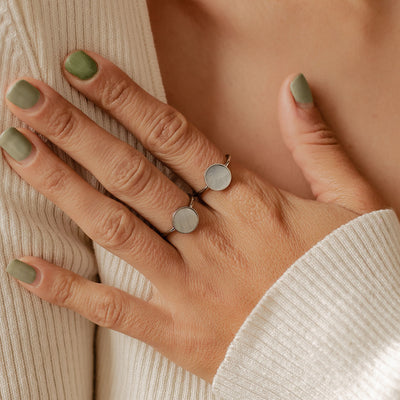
(218, 177)
(185, 219)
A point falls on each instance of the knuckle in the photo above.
(62, 124)
(55, 180)
(153, 331)
(116, 94)
(168, 129)
(63, 290)
(115, 229)
(319, 134)
(108, 311)
(244, 188)
(130, 176)
(219, 244)
(255, 203)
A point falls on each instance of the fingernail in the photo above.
(15, 144)
(23, 94)
(301, 90)
(22, 271)
(81, 65)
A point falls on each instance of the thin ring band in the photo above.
(185, 219)
(227, 162)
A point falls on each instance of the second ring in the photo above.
(185, 219)
(217, 176)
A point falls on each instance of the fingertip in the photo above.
(289, 113)
(14, 82)
(26, 271)
(71, 53)
(297, 110)
(80, 64)
(295, 92)
(301, 91)
(18, 146)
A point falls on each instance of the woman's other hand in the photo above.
(205, 283)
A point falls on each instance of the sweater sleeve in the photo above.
(329, 328)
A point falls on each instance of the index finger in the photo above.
(159, 127)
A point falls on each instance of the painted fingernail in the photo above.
(81, 65)
(301, 90)
(23, 94)
(15, 144)
(22, 271)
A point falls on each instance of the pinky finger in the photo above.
(104, 305)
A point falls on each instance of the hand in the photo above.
(206, 283)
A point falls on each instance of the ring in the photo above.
(185, 219)
(217, 176)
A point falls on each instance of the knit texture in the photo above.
(330, 327)
(46, 352)
(49, 353)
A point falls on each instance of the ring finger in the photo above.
(105, 220)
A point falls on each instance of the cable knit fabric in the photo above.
(328, 329)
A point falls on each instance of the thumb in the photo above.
(325, 165)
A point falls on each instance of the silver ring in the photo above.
(185, 219)
(217, 176)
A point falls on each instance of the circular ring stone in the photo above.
(185, 219)
(218, 177)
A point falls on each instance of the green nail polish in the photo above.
(15, 144)
(23, 94)
(81, 65)
(301, 90)
(22, 271)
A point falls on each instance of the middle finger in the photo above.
(104, 220)
(122, 170)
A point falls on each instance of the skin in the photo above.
(198, 304)
(223, 62)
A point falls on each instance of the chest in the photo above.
(222, 66)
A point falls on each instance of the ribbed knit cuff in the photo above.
(329, 328)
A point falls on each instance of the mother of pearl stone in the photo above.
(185, 219)
(218, 177)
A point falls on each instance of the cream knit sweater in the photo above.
(328, 329)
